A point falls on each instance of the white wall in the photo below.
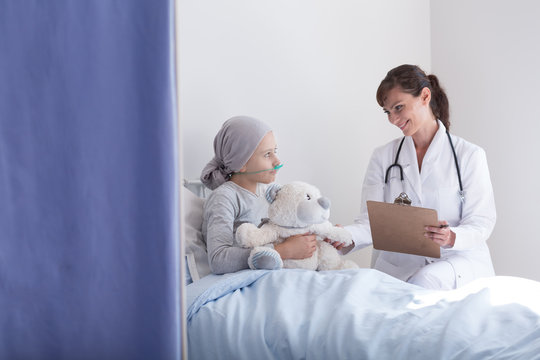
(310, 68)
(487, 54)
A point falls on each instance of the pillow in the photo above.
(194, 245)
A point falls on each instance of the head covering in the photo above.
(234, 144)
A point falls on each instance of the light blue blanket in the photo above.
(360, 314)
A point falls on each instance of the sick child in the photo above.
(245, 161)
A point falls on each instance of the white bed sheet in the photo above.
(359, 314)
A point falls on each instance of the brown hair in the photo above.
(412, 80)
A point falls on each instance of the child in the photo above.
(245, 157)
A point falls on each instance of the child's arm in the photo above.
(250, 236)
(223, 256)
(294, 247)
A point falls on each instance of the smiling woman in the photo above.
(417, 105)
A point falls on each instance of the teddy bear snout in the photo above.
(324, 202)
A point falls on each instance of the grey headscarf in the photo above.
(234, 144)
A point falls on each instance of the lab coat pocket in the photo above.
(449, 208)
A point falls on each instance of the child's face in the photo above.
(264, 157)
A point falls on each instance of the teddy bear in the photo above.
(295, 208)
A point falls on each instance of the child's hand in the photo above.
(297, 247)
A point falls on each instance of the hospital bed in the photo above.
(350, 314)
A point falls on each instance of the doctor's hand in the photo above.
(441, 235)
(297, 247)
(337, 244)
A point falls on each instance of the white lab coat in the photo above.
(436, 187)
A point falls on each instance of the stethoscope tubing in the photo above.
(401, 168)
(456, 162)
(395, 163)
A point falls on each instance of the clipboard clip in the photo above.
(403, 199)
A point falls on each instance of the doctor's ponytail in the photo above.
(412, 80)
(439, 102)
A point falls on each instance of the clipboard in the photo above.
(400, 228)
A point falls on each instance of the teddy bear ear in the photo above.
(271, 192)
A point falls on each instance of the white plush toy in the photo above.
(295, 208)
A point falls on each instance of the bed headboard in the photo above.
(197, 187)
(193, 242)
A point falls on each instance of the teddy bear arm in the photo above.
(334, 233)
(248, 235)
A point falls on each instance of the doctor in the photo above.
(437, 170)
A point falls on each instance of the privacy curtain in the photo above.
(88, 195)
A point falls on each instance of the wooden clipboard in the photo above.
(401, 228)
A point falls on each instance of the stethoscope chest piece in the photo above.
(403, 199)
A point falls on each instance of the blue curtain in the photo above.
(88, 180)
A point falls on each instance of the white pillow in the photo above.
(195, 247)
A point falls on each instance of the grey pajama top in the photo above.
(227, 207)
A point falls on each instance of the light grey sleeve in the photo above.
(220, 213)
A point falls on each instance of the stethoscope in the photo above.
(461, 192)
